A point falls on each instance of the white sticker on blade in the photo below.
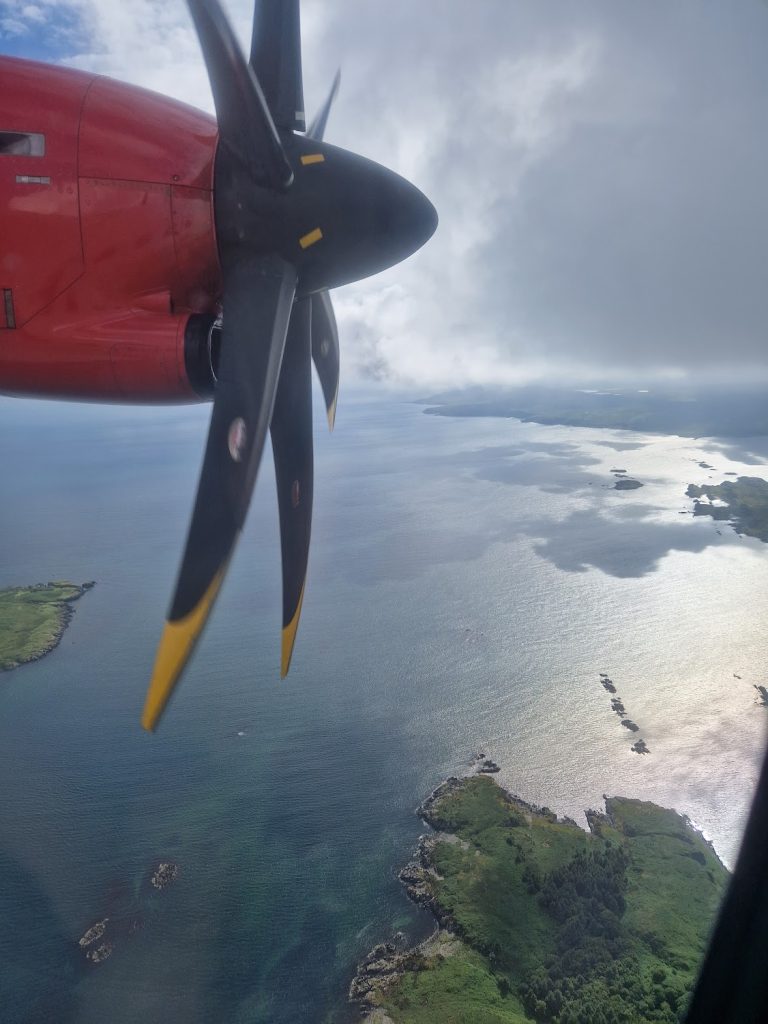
(236, 439)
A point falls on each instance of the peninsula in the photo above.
(541, 920)
(742, 502)
(686, 411)
(33, 620)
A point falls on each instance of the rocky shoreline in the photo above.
(65, 617)
(389, 961)
(397, 975)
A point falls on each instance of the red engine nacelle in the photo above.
(109, 274)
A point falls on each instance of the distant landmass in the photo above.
(538, 919)
(689, 413)
(33, 620)
(745, 504)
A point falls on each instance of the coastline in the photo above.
(63, 607)
(389, 961)
(380, 974)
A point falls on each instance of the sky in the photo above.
(599, 169)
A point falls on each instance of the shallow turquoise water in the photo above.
(468, 580)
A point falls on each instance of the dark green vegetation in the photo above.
(559, 925)
(746, 504)
(33, 619)
(687, 413)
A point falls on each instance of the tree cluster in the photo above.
(595, 976)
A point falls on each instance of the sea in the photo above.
(470, 578)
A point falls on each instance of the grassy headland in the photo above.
(33, 619)
(544, 921)
(746, 504)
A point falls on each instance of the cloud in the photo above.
(598, 168)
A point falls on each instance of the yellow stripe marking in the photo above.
(173, 652)
(310, 238)
(313, 158)
(331, 411)
(289, 637)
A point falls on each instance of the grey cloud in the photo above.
(631, 233)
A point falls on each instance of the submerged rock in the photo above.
(165, 873)
(100, 954)
(94, 932)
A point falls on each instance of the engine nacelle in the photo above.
(137, 357)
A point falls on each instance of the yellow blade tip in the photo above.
(332, 412)
(289, 637)
(176, 645)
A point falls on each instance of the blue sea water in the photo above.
(469, 579)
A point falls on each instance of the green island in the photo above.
(746, 504)
(541, 920)
(33, 620)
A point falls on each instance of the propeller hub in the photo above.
(354, 218)
(344, 217)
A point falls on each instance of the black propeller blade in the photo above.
(291, 432)
(258, 294)
(294, 217)
(292, 419)
(325, 351)
(276, 60)
(317, 129)
(246, 128)
(325, 335)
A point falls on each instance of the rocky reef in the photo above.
(126, 914)
(617, 706)
(607, 683)
(165, 873)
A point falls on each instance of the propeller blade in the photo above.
(258, 294)
(246, 127)
(292, 450)
(317, 129)
(276, 60)
(325, 351)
